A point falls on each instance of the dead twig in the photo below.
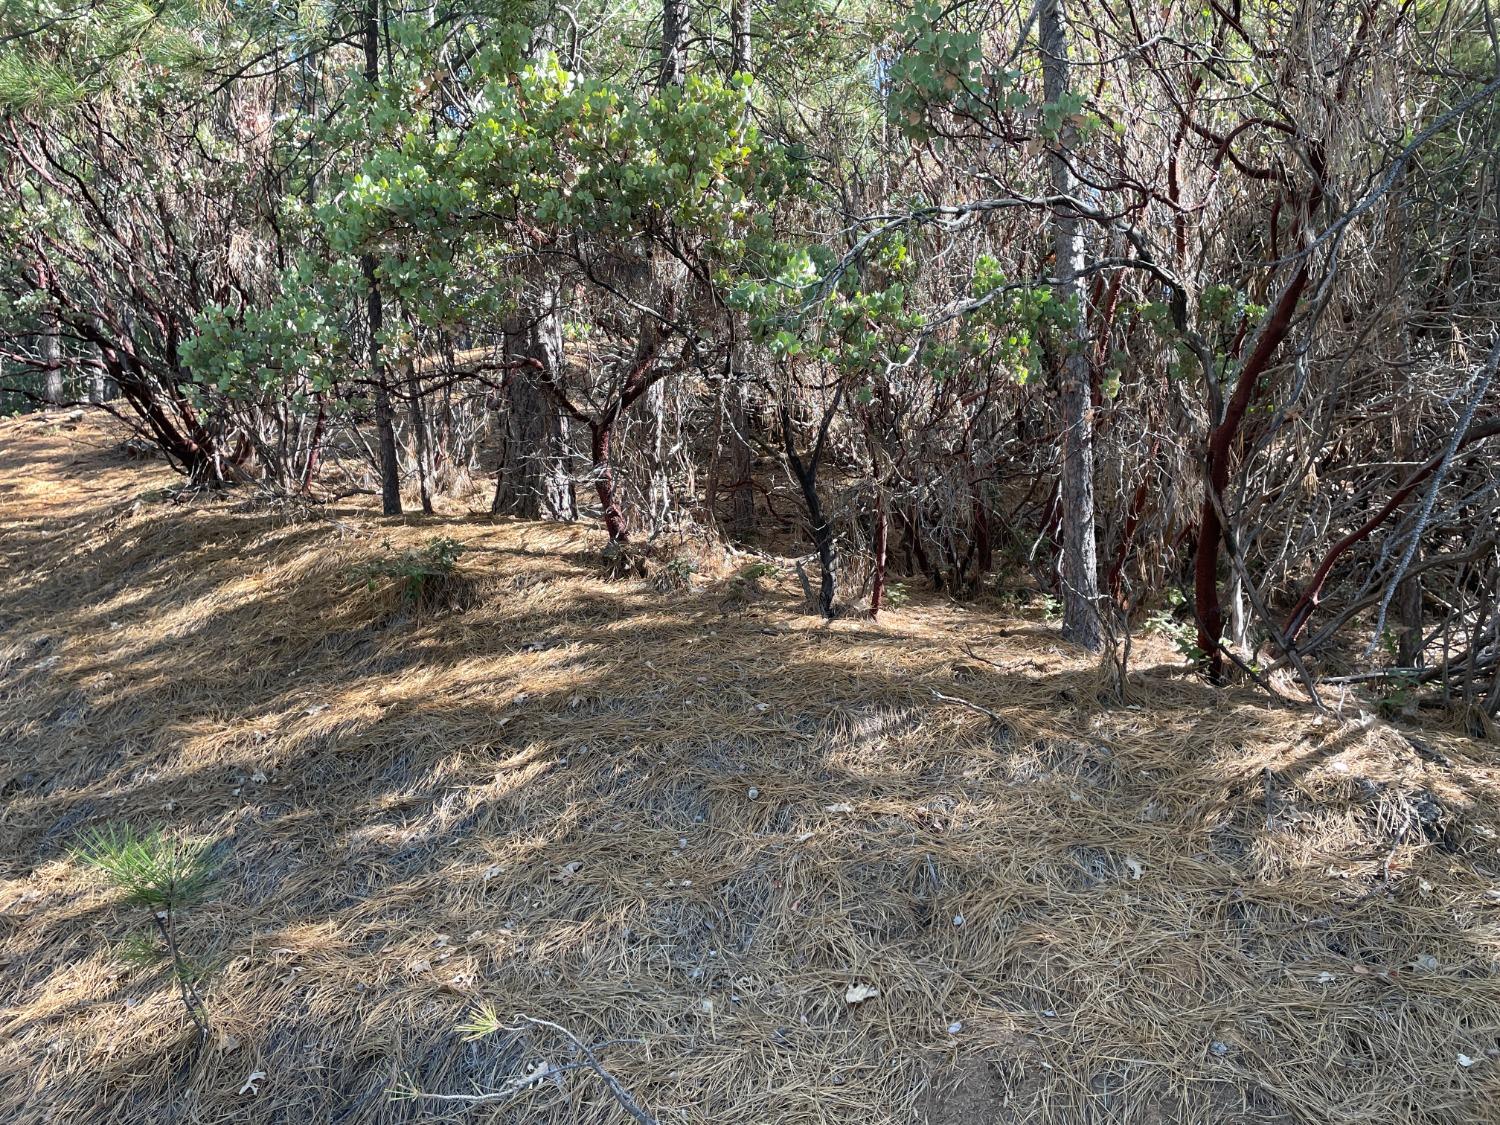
(545, 1071)
(965, 703)
(591, 1060)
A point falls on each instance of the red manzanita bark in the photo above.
(1207, 598)
(1206, 595)
(1308, 602)
(604, 481)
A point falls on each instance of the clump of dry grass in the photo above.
(699, 835)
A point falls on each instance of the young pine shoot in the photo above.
(164, 875)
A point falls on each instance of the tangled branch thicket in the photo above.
(1138, 305)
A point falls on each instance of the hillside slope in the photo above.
(691, 827)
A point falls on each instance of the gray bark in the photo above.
(1080, 578)
(53, 390)
(1408, 601)
(536, 480)
(674, 26)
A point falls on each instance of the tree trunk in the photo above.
(1207, 602)
(658, 483)
(877, 556)
(420, 437)
(102, 387)
(739, 36)
(535, 479)
(741, 458)
(604, 482)
(1080, 578)
(822, 535)
(674, 26)
(673, 72)
(51, 349)
(1408, 602)
(390, 470)
(806, 473)
(1409, 619)
(314, 448)
(552, 456)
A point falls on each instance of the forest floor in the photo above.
(754, 854)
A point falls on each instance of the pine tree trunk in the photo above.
(535, 478)
(674, 29)
(1239, 615)
(878, 556)
(390, 469)
(1080, 578)
(53, 390)
(674, 26)
(102, 386)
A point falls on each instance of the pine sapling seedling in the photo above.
(164, 875)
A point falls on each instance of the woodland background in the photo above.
(1165, 311)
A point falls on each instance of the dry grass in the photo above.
(648, 819)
